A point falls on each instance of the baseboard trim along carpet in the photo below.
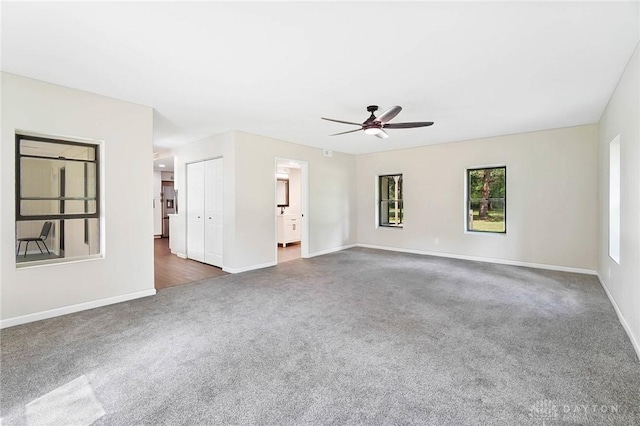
(269, 264)
(331, 250)
(484, 259)
(248, 268)
(10, 322)
(621, 318)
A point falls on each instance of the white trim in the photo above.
(248, 268)
(304, 206)
(10, 322)
(181, 255)
(485, 259)
(465, 222)
(331, 250)
(57, 261)
(59, 136)
(621, 318)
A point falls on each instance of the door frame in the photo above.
(304, 205)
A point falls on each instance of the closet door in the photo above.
(195, 211)
(213, 212)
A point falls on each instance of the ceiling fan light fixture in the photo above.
(375, 126)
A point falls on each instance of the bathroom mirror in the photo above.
(282, 191)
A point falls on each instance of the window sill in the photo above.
(391, 226)
(52, 262)
(485, 233)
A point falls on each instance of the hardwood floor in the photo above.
(290, 252)
(170, 270)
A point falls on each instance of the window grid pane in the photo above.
(57, 199)
(391, 206)
(486, 200)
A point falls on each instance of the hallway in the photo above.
(290, 252)
(171, 270)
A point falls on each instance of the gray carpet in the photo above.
(357, 337)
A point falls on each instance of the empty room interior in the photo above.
(286, 213)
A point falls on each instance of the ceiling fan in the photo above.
(376, 125)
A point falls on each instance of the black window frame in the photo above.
(381, 200)
(18, 196)
(468, 199)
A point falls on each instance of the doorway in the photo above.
(167, 197)
(291, 207)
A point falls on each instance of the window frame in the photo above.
(97, 215)
(468, 200)
(18, 166)
(381, 199)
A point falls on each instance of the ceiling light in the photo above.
(161, 165)
(372, 130)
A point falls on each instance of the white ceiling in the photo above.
(274, 68)
(164, 164)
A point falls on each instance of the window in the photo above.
(614, 199)
(391, 206)
(486, 199)
(57, 199)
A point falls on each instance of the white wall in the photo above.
(332, 211)
(126, 270)
(295, 191)
(204, 149)
(622, 116)
(157, 203)
(551, 198)
(249, 191)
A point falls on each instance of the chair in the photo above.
(46, 228)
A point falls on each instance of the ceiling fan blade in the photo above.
(340, 121)
(408, 125)
(389, 114)
(382, 134)
(348, 131)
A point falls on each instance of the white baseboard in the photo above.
(181, 255)
(621, 318)
(248, 268)
(269, 264)
(331, 250)
(10, 322)
(485, 259)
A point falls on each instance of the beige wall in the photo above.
(205, 149)
(622, 116)
(332, 213)
(126, 132)
(551, 198)
(249, 197)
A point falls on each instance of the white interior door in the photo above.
(213, 212)
(195, 211)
